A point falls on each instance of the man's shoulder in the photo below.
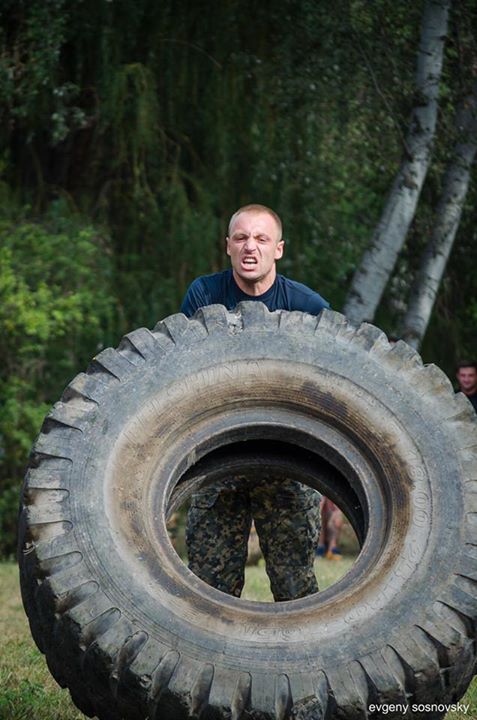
(206, 290)
(210, 288)
(302, 297)
(298, 287)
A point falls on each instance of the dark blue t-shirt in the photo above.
(221, 288)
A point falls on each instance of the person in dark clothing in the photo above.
(467, 379)
(287, 514)
(253, 274)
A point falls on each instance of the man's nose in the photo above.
(251, 244)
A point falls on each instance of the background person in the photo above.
(467, 378)
(331, 525)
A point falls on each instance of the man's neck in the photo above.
(254, 288)
(470, 391)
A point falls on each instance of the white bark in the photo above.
(449, 210)
(378, 262)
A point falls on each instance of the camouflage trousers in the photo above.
(287, 520)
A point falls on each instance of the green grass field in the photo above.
(27, 690)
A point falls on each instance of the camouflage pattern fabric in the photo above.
(287, 519)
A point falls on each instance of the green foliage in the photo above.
(184, 115)
(56, 307)
(156, 121)
(32, 90)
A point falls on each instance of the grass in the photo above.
(257, 586)
(27, 690)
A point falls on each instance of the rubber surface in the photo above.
(134, 634)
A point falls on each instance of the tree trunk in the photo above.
(377, 264)
(449, 210)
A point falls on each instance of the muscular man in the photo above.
(467, 379)
(286, 515)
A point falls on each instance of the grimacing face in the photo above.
(254, 245)
(467, 379)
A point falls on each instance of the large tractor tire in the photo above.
(134, 634)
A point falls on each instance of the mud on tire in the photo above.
(134, 634)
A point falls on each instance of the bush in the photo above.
(56, 311)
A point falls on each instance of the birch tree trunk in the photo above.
(377, 264)
(449, 210)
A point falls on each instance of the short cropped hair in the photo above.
(466, 363)
(256, 208)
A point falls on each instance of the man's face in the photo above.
(253, 246)
(467, 379)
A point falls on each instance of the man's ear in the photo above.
(279, 249)
(227, 245)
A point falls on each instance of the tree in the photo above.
(447, 218)
(378, 262)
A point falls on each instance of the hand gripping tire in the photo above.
(134, 634)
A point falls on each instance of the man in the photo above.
(467, 379)
(286, 515)
(254, 244)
